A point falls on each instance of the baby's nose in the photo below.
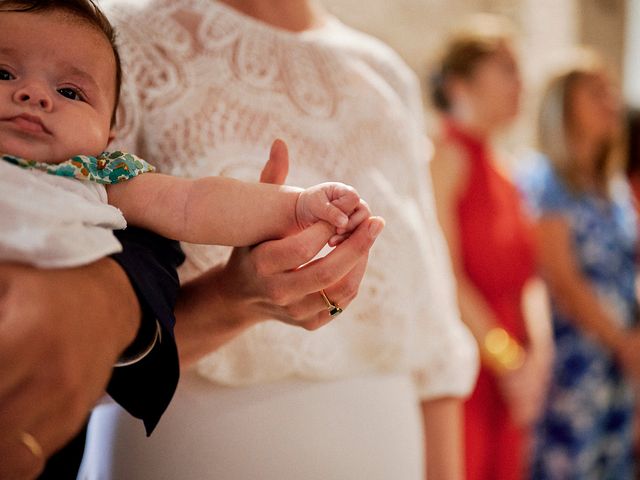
(34, 95)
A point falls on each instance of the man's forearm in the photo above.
(208, 315)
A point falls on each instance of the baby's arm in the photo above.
(224, 211)
(212, 210)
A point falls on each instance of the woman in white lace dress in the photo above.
(208, 87)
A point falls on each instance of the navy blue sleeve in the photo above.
(145, 388)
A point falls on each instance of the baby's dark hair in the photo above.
(85, 10)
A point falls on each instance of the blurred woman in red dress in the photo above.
(477, 89)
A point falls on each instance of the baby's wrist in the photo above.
(299, 221)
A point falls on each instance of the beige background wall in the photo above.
(602, 23)
(416, 28)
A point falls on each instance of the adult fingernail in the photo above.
(375, 227)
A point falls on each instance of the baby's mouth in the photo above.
(29, 123)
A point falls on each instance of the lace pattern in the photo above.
(350, 110)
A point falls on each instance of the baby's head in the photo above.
(60, 79)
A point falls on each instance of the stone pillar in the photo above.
(602, 26)
(631, 59)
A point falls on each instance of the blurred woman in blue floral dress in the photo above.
(585, 232)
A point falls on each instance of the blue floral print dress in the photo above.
(586, 429)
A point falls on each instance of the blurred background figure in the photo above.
(586, 239)
(477, 89)
(633, 152)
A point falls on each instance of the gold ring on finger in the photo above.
(32, 445)
(334, 308)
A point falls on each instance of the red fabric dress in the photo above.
(498, 258)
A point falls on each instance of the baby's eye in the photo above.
(70, 93)
(5, 75)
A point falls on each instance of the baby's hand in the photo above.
(335, 203)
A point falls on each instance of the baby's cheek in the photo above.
(97, 139)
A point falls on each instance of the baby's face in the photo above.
(57, 86)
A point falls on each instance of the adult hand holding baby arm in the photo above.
(266, 281)
(60, 333)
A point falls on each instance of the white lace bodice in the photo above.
(212, 101)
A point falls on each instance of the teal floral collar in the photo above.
(107, 168)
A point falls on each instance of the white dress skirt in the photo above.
(353, 429)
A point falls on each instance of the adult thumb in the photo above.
(276, 169)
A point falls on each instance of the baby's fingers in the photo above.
(345, 198)
(335, 216)
(360, 215)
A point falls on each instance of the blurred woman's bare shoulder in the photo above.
(449, 167)
(449, 163)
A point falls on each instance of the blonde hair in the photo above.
(554, 119)
(479, 37)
